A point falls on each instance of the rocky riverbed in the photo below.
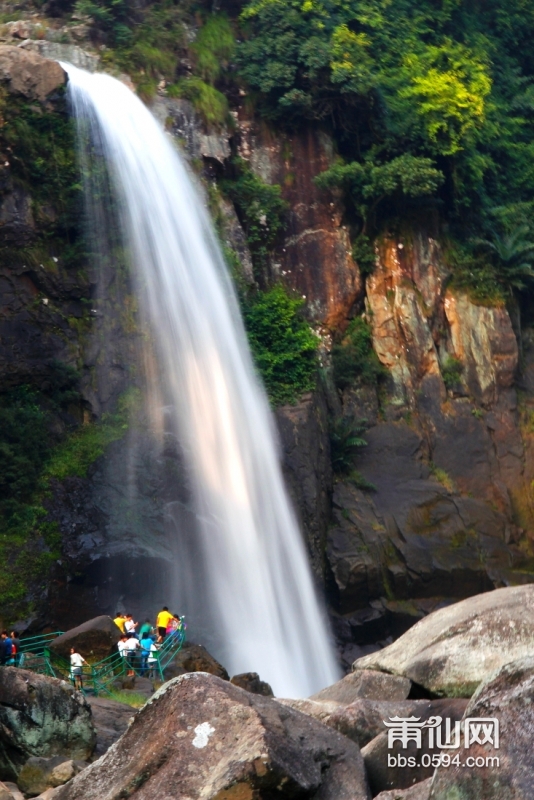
(443, 712)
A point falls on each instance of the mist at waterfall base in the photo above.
(244, 566)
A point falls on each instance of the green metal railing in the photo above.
(36, 655)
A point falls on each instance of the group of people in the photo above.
(9, 649)
(141, 650)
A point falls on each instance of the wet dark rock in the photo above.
(195, 658)
(306, 463)
(41, 716)
(250, 681)
(215, 740)
(97, 638)
(110, 719)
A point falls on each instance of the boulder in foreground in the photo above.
(506, 771)
(454, 649)
(41, 716)
(419, 791)
(95, 639)
(202, 737)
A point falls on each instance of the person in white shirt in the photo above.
(76, 668)
(132, 646)
(130, 626)
(153, 658)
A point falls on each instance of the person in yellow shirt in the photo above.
(162, 621)
(119, 621)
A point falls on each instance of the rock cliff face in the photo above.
(450, 451)
(448, 457)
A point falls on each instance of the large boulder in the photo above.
(419, 791)
(28, 74)
(251, 682)
(215, 740)
(452, 650)
(41, 716)
(365, 683)
(402, 764)
(95, 639)
(195, 658)
(498, 770)
(363, 720)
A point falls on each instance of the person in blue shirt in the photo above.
(6, 645)
(146, 642)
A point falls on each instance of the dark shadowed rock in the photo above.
(29, 74)
(95, 638)
(368, 684)
(110, 719)
(195, 658)
(383, 774)
(455, 648)
(250, 681)
(214, 740)
(420, 791)
(307, 468)
(41, 716)
(507, 696)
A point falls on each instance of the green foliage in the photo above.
(213, 48)
(474, 275)
(442, 477)
(452, 371)
(345, 442)
(24, 445)
(133, 699)
(211, 104)
(41, 148)
(115, 17)
(512, 255)
(368, 183)
(449, 85)
(364, 255)
(262, 212)
(283, 345)
(30, 457)
(74, 456)
(354, 359)
(447, 88)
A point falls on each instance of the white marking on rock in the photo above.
(203, 733)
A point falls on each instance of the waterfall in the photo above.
(250, 557)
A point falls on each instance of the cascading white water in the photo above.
(260, 591)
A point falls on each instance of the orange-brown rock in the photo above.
(484, 341)
(404, 295)
(315, 258)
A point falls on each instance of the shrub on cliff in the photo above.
(261, 209)
(282, 343)
(353, 359)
